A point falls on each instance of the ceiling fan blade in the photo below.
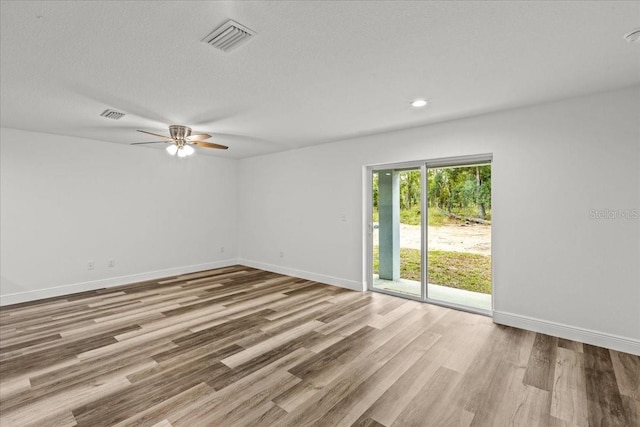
(209, 145)
(155, 134)
(151, 142)
(198, 137)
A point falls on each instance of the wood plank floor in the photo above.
(238, 346)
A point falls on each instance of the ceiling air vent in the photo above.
(229, 36)
(112, 114)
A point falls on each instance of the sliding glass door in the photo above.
(430, 231)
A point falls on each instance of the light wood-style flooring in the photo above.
(238, 346)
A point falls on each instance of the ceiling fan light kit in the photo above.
(172, 149)
(183, 151)
(181, 139)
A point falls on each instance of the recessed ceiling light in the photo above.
(633, 36)
(417, 103)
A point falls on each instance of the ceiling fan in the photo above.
(180, 141)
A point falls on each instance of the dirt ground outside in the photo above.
(471, 238)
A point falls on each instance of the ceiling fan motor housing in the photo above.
(178, 132)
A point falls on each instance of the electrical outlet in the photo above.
(91, 265)
(112, 263)
(221, 249)
(281, 254)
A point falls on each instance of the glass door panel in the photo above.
(459, 235)
(397, 231)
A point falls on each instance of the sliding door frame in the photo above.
(424, 166)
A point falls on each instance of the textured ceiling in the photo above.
(315, 72)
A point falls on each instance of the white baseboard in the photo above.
(112, 281)
(308, 275)
(587, 336)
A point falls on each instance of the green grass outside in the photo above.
(460, 270)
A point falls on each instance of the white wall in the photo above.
(65, 201)
(556, 269)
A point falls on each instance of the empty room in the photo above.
(319, 213)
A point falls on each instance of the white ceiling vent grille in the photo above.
(229, 36)
(112, 114)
